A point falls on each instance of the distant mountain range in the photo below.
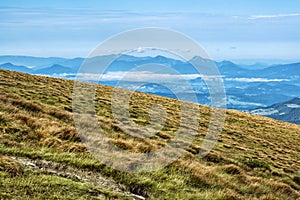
(34, 62)
(50, 66)
(288, 111)
(246, 88)
(55, 69)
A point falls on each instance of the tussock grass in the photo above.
(10, 167)
(255, 157)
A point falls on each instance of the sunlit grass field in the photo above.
(42, 156)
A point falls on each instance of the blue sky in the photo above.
(226, 29)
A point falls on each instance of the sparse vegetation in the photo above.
(42, 157)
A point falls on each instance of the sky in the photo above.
(226, 29)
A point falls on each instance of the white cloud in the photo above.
(274, 16)
(136, 76)
(140, 76)
(250, 80)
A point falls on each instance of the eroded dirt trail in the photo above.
(59, 169)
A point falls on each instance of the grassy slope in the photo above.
(41, 155)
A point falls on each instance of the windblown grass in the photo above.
(255, 157)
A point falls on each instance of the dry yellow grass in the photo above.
(255, 157)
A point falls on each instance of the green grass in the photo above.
(43, 186)
(255, 158)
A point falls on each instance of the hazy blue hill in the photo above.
(230, 69)
(265, 99)
(281, 71)
(127, 63)
(13, 67)
(73, 63)
(288, 111)
(255, 66)
(54, 69)
(30, 60)
(129, 58)
(277, 88)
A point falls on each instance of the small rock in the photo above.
(30, 164)
(80, 178)
(138, 197)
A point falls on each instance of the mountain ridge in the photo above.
(77, 61)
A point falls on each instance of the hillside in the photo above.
(42, 157)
